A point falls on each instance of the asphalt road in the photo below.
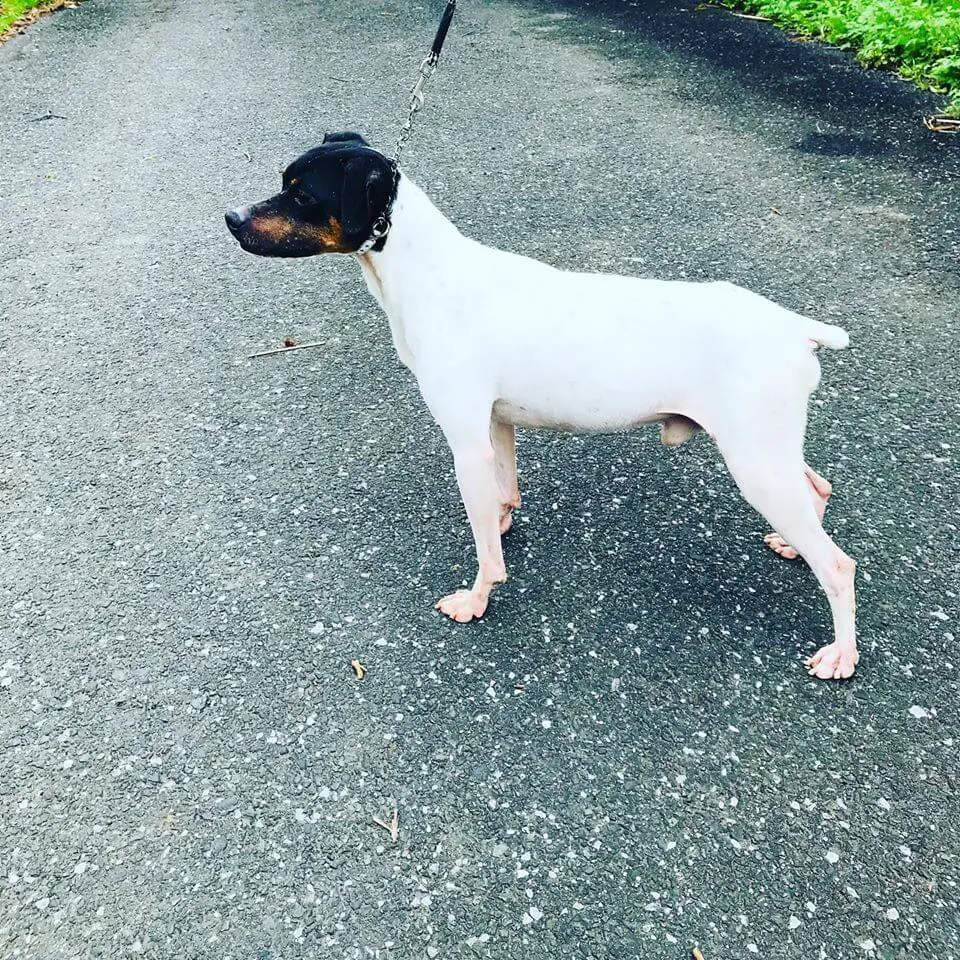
(625, 758)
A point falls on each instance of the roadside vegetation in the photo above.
(12, 11)
(920, 39)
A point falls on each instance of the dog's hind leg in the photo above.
(504, 440)
(767, 464)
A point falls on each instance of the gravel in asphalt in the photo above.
(625, 758)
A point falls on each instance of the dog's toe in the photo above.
(780, 546)
(833, 662)
(462, 606)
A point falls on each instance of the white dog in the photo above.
(497, 340)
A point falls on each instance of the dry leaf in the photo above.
(358, 668)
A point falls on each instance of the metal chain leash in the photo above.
(382, 226)
(423, 75)
(416, 104)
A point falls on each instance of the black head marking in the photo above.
(367, 189)
(345, 137)
(331, 198)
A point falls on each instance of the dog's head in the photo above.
(331, 198)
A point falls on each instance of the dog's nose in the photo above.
(235, 218)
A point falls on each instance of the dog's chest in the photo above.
(394, 314)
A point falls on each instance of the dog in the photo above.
(497, 340)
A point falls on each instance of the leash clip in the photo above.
(427, 67)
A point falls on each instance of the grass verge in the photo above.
(16, 14)
(920, 39)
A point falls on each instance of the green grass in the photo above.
(13, 10)
(918, 38)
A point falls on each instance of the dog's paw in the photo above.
(780, 546)
(833, 662)
(463, 606)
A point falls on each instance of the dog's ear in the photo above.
(365, 194)
(345, 137)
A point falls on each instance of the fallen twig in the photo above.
(297, 346)
(393, 827)
(358, 668)
(697, 955)
(47, 116)
(942, 124)
(749, 16)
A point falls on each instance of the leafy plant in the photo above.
(918, 38)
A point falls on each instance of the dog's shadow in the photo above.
(620, 539)
(623, 538)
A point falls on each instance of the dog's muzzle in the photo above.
(237, 219)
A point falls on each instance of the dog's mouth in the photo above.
(269, 233)
(251, 242)
(240, 223)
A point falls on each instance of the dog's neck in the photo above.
(420, 243)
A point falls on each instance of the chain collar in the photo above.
(380, 230)
(383, 223)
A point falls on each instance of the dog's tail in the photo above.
(827, 335)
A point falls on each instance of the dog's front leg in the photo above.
(477, 477)
(462, 404)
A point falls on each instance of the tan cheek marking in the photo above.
(273, 227)
(329, 236)
(326, 238)
(335, 230)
